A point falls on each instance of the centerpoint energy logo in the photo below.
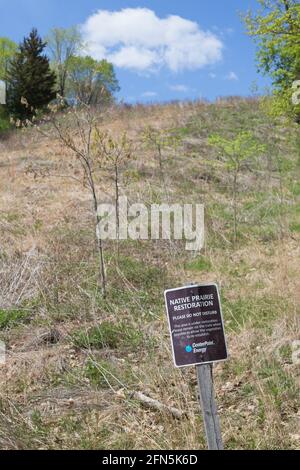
(189, 349)
(138, 222)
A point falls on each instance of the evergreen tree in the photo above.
(30, 81)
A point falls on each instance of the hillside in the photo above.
(74, 359)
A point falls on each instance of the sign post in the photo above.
(209, 407)
(198, 338)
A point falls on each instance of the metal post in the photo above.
(208, 406)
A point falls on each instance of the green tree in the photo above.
(234, 153)
(63, 44)
(30, 81)
(91, 81)
(276, 29)
(8, 49)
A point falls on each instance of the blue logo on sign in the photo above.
(189, 349)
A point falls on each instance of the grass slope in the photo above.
(73, 358)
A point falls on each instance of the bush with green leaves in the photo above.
(12, 317)
(108, 335)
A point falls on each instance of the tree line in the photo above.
(38, 71)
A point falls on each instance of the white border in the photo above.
(222, 321)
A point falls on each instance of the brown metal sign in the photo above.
(196, 325)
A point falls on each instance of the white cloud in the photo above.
(138, 58)
(137, 39)
(222, 32)
(179, 88)
(212, 75)
(149, 94)
(232, 76)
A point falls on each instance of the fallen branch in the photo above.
(157, 405)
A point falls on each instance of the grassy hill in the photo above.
(74, 359)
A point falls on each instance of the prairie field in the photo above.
(75, 360)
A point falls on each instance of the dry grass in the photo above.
(57, 394)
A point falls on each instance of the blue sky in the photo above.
(162, 49)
